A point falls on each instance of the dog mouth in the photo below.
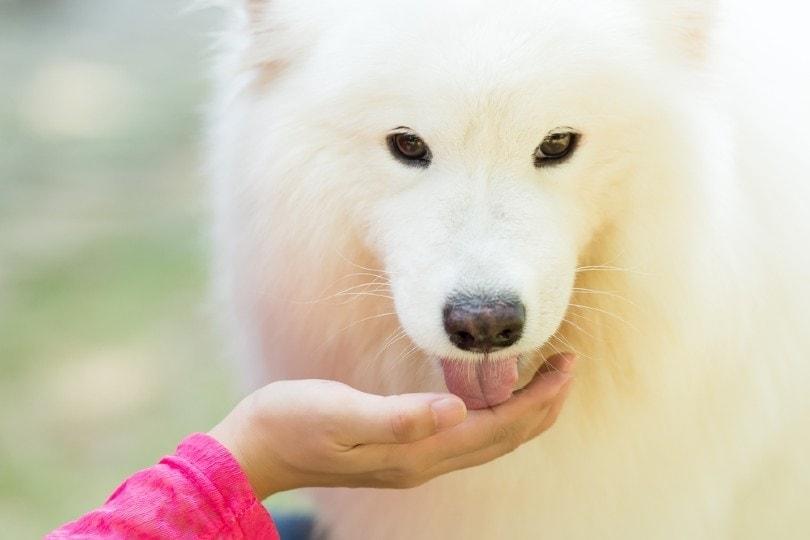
(484, 383)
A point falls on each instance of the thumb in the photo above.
(402, 419)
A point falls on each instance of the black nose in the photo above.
(484, 323)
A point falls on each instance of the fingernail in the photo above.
(448, 412)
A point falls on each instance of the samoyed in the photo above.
(431, 195)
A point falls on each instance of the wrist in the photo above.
(240, 433)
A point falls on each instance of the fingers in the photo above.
(553, 412)
(352, 418)
(504, 444)
(401, 419)
(336, 435)
(486, 435)
(414, 417)
(545, 385)
(507, 423)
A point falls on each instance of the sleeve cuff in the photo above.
(221, 469)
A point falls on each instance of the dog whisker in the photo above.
(579, 328)
(352, 325)
(608, 313)
(383, 284)
(359, 266)
(562, 341)
(583, 269)
(609, 294)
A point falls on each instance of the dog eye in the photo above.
(558, 145)
(409, 149)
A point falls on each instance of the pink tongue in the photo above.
(481, 384)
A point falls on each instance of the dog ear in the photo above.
(688, 25)
(255, 10)
(254, 14)
(271, 36)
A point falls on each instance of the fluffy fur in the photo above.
(670, 252)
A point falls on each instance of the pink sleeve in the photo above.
(199, 492)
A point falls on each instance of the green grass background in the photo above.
(109, 352)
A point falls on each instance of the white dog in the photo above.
(423, 195)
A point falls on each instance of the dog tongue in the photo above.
(481, 384)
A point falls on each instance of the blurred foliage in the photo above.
(108, 354)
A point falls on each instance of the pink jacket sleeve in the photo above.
(199, 492)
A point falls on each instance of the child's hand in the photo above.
(293, 434)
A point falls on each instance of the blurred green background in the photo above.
(108, 345)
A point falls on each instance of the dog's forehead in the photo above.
(479, 77)
(482, 56)
(501, 86)
(499, 43)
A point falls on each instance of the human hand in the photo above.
(293, 434)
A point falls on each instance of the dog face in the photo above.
(499, 166)
(480, 151)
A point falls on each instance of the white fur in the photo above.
(671, 252)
